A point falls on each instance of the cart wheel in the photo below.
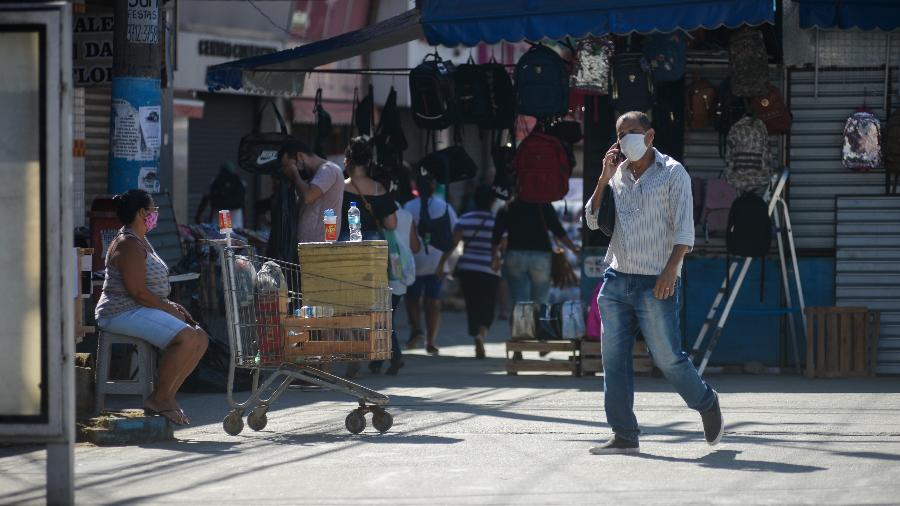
(257, 419)
(382, 421)
(233, 424)
(355, 422)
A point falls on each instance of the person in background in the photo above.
(227, 191)
(406, 235)
(527, 258)
(642, 286)
(474, 269)
(428, 284)
(134, 303)
(376, 207)
(319, 185)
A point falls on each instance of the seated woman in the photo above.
(376, 207)
(133, 303)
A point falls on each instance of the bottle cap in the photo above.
(352, 203)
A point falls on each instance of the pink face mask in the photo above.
(150, 220)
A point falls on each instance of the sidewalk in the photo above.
(466, 433)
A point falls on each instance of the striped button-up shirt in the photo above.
(653, 214)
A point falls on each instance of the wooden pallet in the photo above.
(591, 361)
(515, 363)
(841, 341)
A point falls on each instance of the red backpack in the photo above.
(542, 169)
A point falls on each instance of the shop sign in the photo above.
(92, 53)
(199, 51)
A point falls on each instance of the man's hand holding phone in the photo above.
(611, 162)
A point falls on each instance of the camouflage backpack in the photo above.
(862, 142)
(748, 161)
(749, 63)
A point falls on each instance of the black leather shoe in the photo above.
(713, 423)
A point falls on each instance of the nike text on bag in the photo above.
(632, 86)
(258, 151)
(749, 63)
(432, 93)
(542, 169)
(542, 83)
(701, 101)
(772, 110)
(592, 64)
(665, 53)
(862, 142)
(748, 161)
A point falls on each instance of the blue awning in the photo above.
(469, 22)
(282, 73)
(863, 14)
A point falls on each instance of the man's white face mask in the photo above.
(633, 146)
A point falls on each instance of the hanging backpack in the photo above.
(701, 101)
(632, 87)
(502, 155)
(542, 83)
(698, 195)
(432, 97)
(364, 113)
(772, 110)
(323, 125)
(748, 161)
(862, 141)
(892, 153)
(749, 62)
(258, 151)
(665, 52)
(472, 93)
(389, 138)
(729, 109)
(717, 200)
(542, 169)
(749, 232)
(591, 71)
(501, 96)
(227, 191)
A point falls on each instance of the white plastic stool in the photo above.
(142, 384)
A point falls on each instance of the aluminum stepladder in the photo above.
(775, 198)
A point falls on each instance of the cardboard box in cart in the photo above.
(351, 277)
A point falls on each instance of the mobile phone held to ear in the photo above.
(619, 156)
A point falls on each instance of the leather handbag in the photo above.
(258, 151)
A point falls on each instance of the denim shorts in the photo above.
(155, 326)
(429, 285)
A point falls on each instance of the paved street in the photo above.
(466, 433)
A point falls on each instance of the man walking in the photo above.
(654, 230)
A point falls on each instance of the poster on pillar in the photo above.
(143, 22)
(135, 135)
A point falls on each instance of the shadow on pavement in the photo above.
(727, 459)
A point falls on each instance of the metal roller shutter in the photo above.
(213, 140)
(867, 271)
(96, 141)
(815, 148)
(701, 147)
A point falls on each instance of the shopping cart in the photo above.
(277, 333)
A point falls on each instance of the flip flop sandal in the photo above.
(167, 414)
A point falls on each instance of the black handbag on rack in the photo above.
(258, 151)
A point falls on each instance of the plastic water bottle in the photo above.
(330, 221)
(353, 223)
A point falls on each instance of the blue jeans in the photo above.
(528, 275)
(627, 304)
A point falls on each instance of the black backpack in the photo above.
(473, 93)
(432, 92)
(749, 232)
(542, 83)
(729, 109)
(502, 96)
(227, 191)
(632, 86)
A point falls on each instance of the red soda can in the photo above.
(224, 220)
